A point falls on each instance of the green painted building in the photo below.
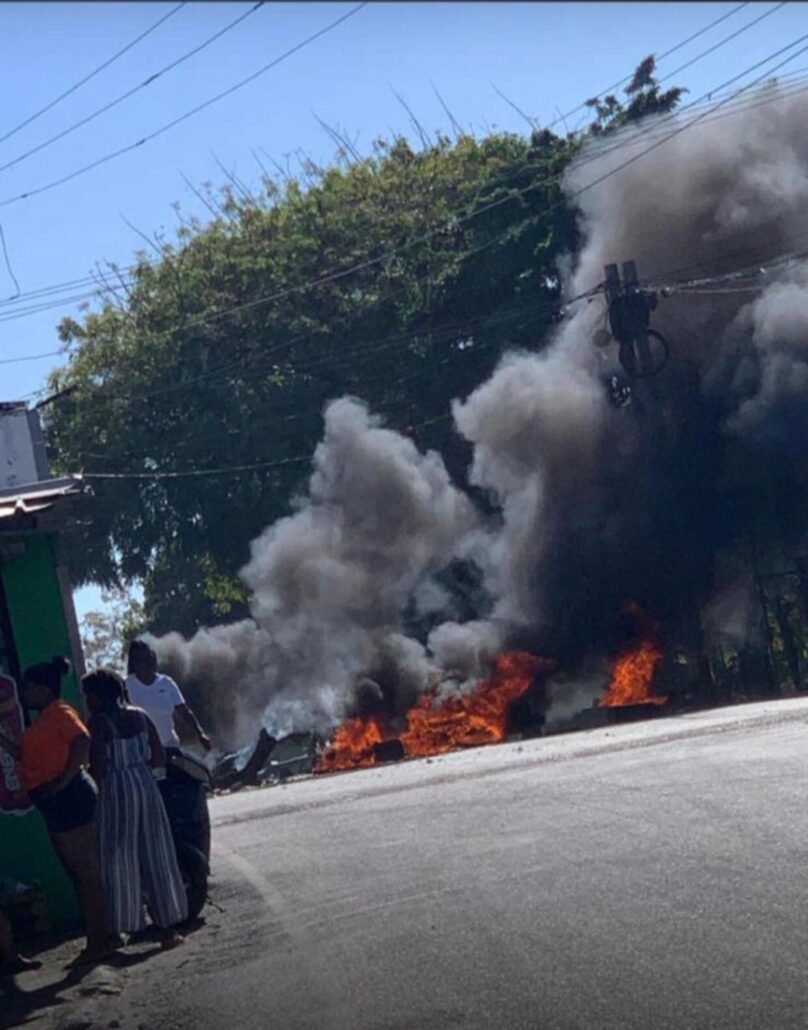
(37, 621)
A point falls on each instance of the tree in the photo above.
(454, 250)
(644, 98)
(106, 633)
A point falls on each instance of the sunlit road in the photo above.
(644, 877)
(610, 879)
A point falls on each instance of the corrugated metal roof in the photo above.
(33, 498)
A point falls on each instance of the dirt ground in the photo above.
(110, 996)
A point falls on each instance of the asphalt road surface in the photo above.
(646, 876)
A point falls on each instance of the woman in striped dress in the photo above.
(138, 860)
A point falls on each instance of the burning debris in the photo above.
(435, 725)
(634, 669)
(596, 502)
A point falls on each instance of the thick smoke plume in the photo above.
(329, 584)
(599, 504)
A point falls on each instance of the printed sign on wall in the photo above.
(13, 798)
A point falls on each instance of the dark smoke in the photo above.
(599, 505)
(329, 584)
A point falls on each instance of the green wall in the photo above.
(40, 631)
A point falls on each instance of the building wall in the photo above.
(40, 630)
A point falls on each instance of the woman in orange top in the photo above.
(51, 757)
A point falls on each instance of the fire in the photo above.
(353, 746)
(434, 727)
(472, 719)
(634, 669)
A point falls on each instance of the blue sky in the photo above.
(547, 57)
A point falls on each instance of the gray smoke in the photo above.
(329, 584)
(603, 505)
(598, 504)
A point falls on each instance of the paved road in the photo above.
(647, 876)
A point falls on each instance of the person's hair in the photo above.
(48, 674)
(139, 648)
(106, 685)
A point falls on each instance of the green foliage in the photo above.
(644, 97)
(456, 249)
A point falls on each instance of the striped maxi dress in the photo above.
(138, 859)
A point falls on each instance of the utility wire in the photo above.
(724, 41)
(206, 377)
(92, 74)
(256, 302)
(599, 154)
(127, 273)
(188, 114)
(249, 305)
(8, 264)
(661, 57)
(135, 89)
(195, 473)
(91, 280)
(30, 357)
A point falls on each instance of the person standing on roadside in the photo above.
(138, 859)
(51, 757)
(162, 700)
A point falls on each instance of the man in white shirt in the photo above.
(161, 699)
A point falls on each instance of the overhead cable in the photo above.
(188, 114)
(135, 89)
(660, 57)
(724, 41)
(92, 74)
(707, 100)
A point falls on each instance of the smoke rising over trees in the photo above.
(473, 487)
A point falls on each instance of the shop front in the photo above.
(37, 621)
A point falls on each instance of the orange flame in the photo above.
(434, 727)
(352, 746)
(632, 676)
(472, 719)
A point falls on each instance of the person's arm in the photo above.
(99, 760)
(188, 727)
(77, 758)
(158, 752)
(12, 746)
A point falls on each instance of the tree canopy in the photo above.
(398, 277)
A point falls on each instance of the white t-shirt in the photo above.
(158, 700)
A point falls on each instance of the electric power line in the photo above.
(8, 263)
(92, 280)
(600, 153)
(59, 302)
(375, 261)
(661, 57)
(135, 89)
(725, 40)
(92, 74)
(31, 357)
(195, 473)
(188, 114)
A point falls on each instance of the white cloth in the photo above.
(158, 700)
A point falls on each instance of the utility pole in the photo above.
(629, 313)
